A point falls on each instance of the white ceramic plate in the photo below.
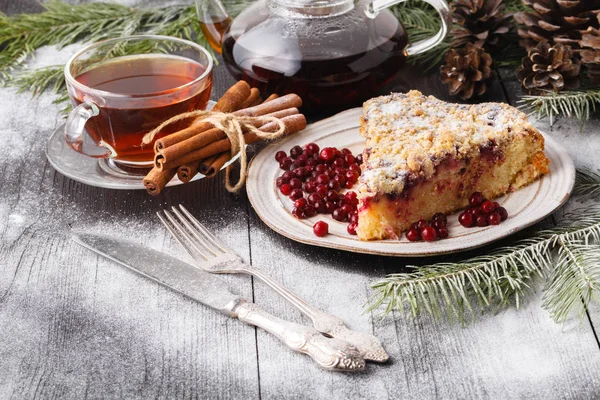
(525, 206)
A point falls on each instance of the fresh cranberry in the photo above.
(339, 215)
(330, 173)
(347, 208)
(334, 185)
(298, 163)
(475, 212)
(503, 213)
(346, 151)
(438, 223)
(488, 207)
(321, 206)
(321, 228)
(349, 185)
(322, 179)
(354, 167)
(413, 235)
(341, 179)
(466, 219)
(302, 158)
(442, 232)
(494, 218)
(330, 207)
(349, 159)
(287, 175)
(440, 217)
(421, 224)
(352, 176)
(314, 173)
(285, 163)
(299, 172)
(314, 197)
(311, 162)
(295, 152)
(351, 228)
(296, 194)
(313, 148)
(350, 196)
(328, 154)
(279, 181)
(340, 171)
(298, 212)
(285, 189)
(339, 162)
(353, 218)
(332, 196)
(482, 220)
(301, 202)
(310, 211)
(280, 155)
(322, 190)
(359, 159)
(428, 234)
(310, 186)
(309, 168)
(321, 168)
(476, 199)
(295, 183)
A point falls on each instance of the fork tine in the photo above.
(202, 228)
(199, 234)
(179, 234)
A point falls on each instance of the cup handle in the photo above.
(441, 6)
(79, 139)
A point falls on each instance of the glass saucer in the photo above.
(102, 173)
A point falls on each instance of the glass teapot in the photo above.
(333, 53)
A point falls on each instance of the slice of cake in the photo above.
(424, 156)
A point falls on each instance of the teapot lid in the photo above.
(312, 8)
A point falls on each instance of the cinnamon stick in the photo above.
(281, 103)
(206, 163)
(186, 172)
(252, 100)
(293, 124)
(207, 137)
(217, 164)
(157, 179)
(231, 101)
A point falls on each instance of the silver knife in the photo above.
(329, 353)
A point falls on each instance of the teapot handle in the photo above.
(441, 6)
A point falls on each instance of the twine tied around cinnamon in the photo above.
(233, 126)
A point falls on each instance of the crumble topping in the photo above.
(410, 134)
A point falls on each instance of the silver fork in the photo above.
(214, 256)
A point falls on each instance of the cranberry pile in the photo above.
(429, 231)
(314, 178)
(482, 212)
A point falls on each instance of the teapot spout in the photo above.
(214, 20)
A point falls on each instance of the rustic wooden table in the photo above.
(74, 325)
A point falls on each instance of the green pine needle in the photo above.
(570, 103)
(457, 290)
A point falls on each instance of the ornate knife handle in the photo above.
(370, 347)
(330, 353)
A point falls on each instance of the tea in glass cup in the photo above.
(123, 88)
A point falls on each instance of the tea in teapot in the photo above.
(333, 53)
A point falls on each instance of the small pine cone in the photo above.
(590, 53)
(466, 71)
(480, 22)
(548, 67)
(557, 21)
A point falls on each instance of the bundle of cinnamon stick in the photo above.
(204, 148)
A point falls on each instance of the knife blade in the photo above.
(164, 269)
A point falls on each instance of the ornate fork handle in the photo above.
(370, 347)
(330, 353)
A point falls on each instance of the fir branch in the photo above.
(456, 290)
(587, 184)
(571, 103)
(42, 79)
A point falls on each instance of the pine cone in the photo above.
(548, 67)
(480, 22)
(466, 71)
(590, 53)
(558, 21)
